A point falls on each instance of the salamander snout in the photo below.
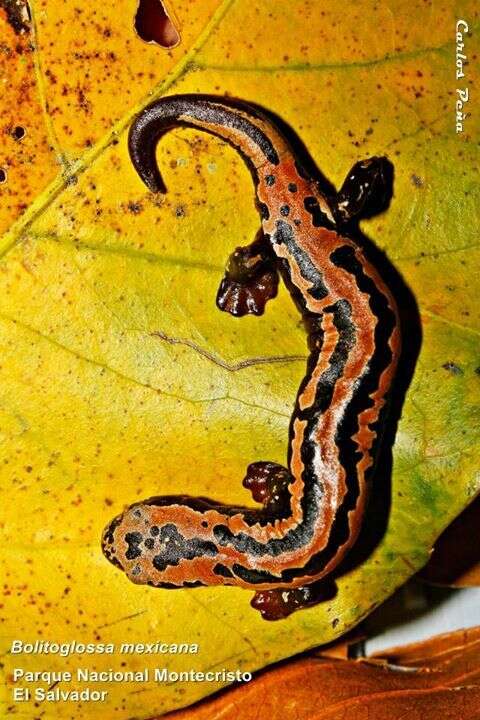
(127, 538)
(109, 544)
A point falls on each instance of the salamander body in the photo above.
(311, 512)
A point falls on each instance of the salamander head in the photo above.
(146, 543)
(128, 541)
(110, 541)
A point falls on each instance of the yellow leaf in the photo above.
(27, 163)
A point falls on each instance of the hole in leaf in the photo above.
(154, 25)
(3, 176)
(18, 132)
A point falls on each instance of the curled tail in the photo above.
(248, 131)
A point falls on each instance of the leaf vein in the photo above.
(231, 367)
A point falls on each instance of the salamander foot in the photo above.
(268, 482)
(280, 603)
(366, 191)
(251, 279)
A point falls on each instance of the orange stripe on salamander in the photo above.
(311, 513)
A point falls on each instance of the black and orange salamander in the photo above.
(310, 514)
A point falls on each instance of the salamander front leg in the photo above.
(269, 482)
(251, 279)
(366, 191)
(280, 603)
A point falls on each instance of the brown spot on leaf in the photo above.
(135, 208)
(452, 368)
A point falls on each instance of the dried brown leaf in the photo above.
(436, 678)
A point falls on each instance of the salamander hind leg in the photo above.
(269, 484)
(281, 602)
(250, 280)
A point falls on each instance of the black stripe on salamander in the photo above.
(342, 320)
(222, 570)
(285, 235)
(319, 218)
(254, 577)
(301, 171)
(313, 493)
(345, 258)
(251, 516)
(161, 116)
(172, 586)
(219, 114)
(172, 547)
(198, 504)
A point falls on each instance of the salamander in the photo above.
(309, 513)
